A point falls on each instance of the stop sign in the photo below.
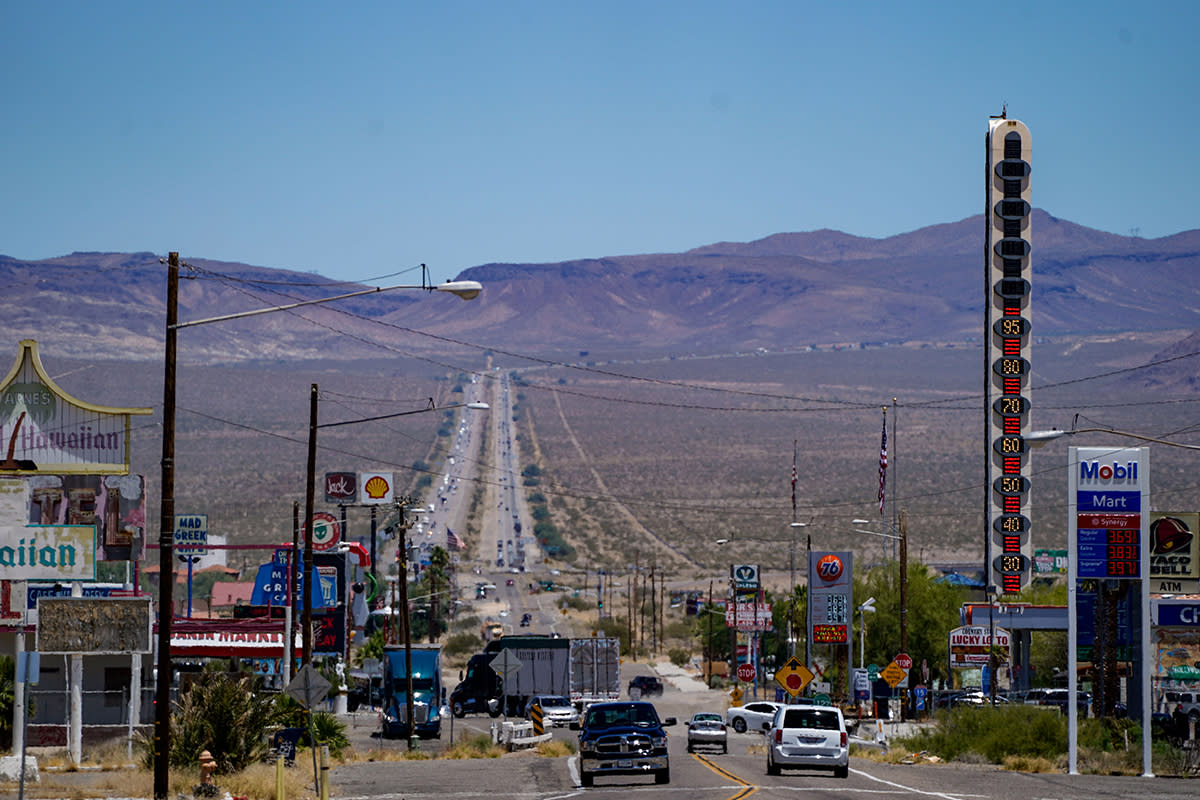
(903, 661)
(745, 673)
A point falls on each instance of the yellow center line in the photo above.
(747, 788)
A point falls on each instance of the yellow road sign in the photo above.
(893, 673)
(793, 676)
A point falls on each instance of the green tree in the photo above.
(932, 612)
(8, 688)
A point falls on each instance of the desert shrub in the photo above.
(987, 733)
(461, 644)
(220, 712)
(330, 732)
(679, 656)
(479, 746)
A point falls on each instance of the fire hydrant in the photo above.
(208, 765)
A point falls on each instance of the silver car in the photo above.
(707, 728)
(812, 737)
(556, 710)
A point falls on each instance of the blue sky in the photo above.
(360, 139)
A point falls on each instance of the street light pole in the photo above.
(467, 290)
(792, 596)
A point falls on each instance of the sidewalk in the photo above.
(679, 677)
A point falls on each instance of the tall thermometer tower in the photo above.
(1007, 274)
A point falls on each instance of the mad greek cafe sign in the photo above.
(41, 552)
(44, 429)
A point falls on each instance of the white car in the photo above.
(811, 737)
(752, 716)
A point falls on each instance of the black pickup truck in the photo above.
(625, 738)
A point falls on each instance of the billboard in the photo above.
(829, 592)
(969, 646)
(1174, 552)
(114, 504)
(94, 625)
(46, 430)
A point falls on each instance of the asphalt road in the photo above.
(738, 774)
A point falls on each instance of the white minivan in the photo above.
(809, 737)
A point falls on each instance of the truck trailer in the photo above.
(595, 670)
(536, 665)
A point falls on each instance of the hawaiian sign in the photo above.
(44, 429)
(41, 552)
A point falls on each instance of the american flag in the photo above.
(883, 463)
(452, 540)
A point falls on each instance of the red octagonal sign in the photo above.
(903, 661)
(745, 673)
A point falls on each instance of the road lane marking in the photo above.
(747, 788)
(902, 787)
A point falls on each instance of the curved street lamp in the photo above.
(467, 290)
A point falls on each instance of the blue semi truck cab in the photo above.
(427, 691)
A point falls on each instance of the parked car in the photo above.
(975, 699)
(623, 738)
(646, 685)
(751, 716)
(707, 728)
(1061, 699)
(812, 737)
(1190, 701)
(556, 709)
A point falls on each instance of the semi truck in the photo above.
(428, 694)
(510, 670)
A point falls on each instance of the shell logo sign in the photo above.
(830, 567)
(377, 488)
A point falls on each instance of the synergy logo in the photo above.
(830, 568)
(1116, 473)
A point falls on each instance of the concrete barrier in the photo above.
(517, 735)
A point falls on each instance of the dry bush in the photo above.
(1030, 764)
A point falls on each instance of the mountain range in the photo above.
(783, 291)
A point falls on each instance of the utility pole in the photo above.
(653, 617)
(309, 503)
(166, 540)
(903, 601)
(406, 620)
(708, 643)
